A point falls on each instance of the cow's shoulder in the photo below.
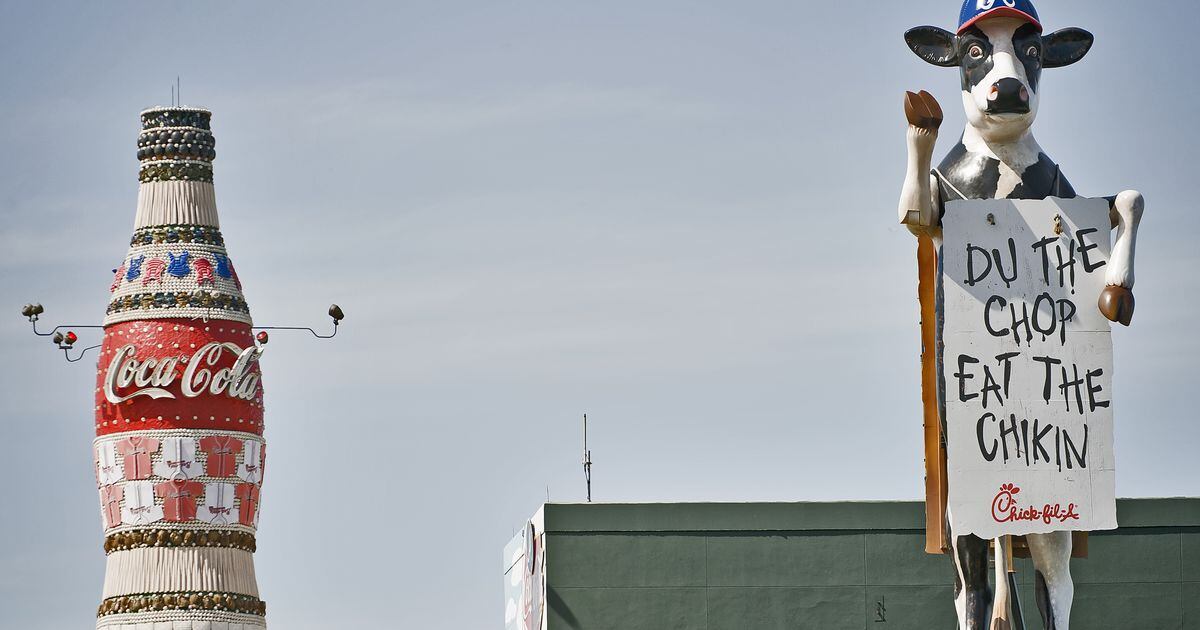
(977, 176)
(1043, 179)
(969, 175)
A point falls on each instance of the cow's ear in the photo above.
(933, 44)
(1065, 47)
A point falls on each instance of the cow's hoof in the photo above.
(1116, 303)
(922, 110)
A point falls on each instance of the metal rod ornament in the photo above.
(32, 311)
(335, 312)
(67, 354)
(67, 342)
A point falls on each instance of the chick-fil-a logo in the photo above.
(1005, 509)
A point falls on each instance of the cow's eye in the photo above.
(1033, 52)
(975, 51)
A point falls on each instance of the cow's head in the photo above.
(1000, 52)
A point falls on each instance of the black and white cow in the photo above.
(1000, 60)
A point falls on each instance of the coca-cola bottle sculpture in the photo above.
(179, 451)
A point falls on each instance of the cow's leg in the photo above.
(972, 596)
(1116, 302)
(1053, 588)
(1002, 612)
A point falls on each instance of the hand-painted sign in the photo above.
(1027, 365)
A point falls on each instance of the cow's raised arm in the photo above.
(918, 207)
(918, 204)
(1116, 302)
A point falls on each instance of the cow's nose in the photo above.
(1008, 96)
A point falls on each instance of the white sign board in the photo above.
(1027, 364)
(525, 578)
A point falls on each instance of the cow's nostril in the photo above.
(1024, 94)
(994, 93)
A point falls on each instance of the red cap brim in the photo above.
(998, 12)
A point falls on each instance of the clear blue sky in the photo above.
(678, 217)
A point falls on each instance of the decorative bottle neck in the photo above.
(176, 149)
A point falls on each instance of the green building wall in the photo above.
(834, 566)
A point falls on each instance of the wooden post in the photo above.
(935, 445)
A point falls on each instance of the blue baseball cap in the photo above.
(975, 10)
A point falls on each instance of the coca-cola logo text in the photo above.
(199, 375)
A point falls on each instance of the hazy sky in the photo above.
(678, 217)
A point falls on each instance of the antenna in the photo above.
(172, 96)
(587, 461)
(178, 92)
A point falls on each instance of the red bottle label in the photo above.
(178, 374)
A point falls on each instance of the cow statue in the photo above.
(1000, 51)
